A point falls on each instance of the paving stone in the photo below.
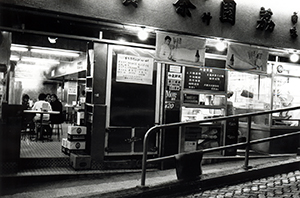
(254, 188)
(285, 181)
(270, 184)
(278, 182)
(281, 185)
(262, 186)
(292, 179)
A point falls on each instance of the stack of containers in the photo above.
(75, 141)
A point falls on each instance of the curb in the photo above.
(176, 188)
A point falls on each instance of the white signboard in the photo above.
(247, 58)
(72, 87)
(180, 48)
(134, 69)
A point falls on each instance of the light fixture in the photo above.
(122, 40)
(143, 34)
(52, 40)
(294, 57)
(55, 52)
(14, 58)
(39, 60)
(18, 48)
(221, 46)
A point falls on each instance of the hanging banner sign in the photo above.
(180, 48)
(247, 58)
(134, 69)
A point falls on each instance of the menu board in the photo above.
(133, 69)
(204, 78)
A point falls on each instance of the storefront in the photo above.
(176, 75)
(277, 88)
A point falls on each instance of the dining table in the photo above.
(41, 112)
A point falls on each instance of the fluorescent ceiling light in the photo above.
(39, 60)
(55, 52)
(18, 48)
(14, 58)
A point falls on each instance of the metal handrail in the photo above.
(179, 124)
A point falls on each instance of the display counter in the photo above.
(279, 146)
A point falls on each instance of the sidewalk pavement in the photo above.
(159, 183)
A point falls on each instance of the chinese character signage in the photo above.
(134, 69)
(180, 48)
(204, 78)
(227, 14)
(247, 58)
(173, 87)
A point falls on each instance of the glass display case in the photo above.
(193, 114)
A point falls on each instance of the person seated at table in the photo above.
(56, 106)
(27, 122)
(42, 105)
(25, 102)
(48, 97)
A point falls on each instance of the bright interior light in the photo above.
(294, 57)
(18, 48)
(123, 40)
(143, 34)
(221, 46)
(39, 60)
(52, 40)
(55, 52)
(14, 58)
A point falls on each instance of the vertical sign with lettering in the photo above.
(173, 87)
(134, 69)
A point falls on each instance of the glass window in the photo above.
(251, 93)
(286, 94)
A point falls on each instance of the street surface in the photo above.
(281, 185)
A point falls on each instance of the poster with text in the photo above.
(247, 58)
(180, 48)
(134, 69)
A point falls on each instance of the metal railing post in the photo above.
(246, 165)
(144, 160)
(248, 143)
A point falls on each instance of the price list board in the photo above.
(204, 79)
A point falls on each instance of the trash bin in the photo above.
(188, 166)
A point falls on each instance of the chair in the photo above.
(27, 132)
(47, 130)
(57, 129)
(28, 128)
(56, 123)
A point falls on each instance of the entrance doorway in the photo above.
(42, 64)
